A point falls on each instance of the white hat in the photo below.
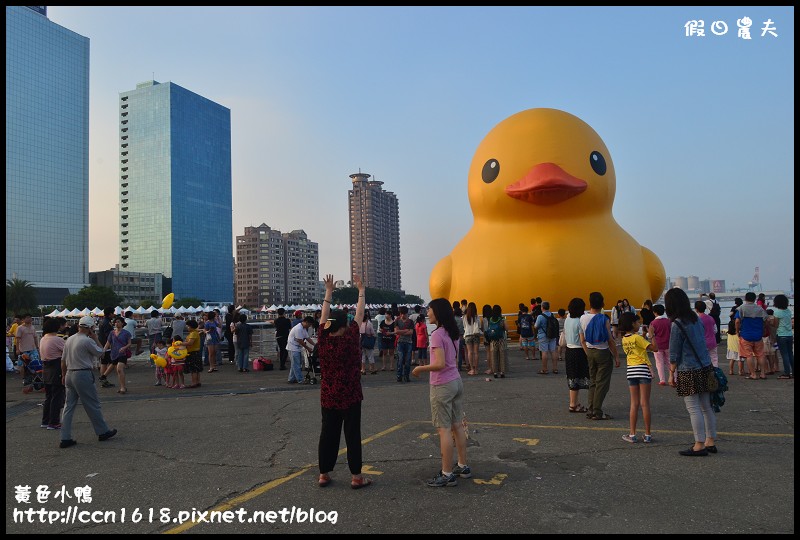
(86, 322)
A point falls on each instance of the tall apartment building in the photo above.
(276, 268)
(175, 189)
(47, 154)
(374, 233)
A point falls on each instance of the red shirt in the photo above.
(340, 362)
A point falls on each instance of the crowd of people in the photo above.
(682, 337)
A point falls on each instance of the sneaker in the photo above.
(648, 438)
(54, 426)
(68, 443)
(630, 438)
(107, 384)
(107, 435)
(399, 379)
(463, 472)
(157, 383)
(442, 480)
(43, 426)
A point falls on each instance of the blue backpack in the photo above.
(596, 331)
(495, 330)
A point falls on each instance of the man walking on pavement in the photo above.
(81, 351)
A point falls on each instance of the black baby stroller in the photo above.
(311, 365)
(32, 378)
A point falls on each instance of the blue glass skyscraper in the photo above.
(47, 151)
(175, 189)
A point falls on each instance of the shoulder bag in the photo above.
(696, 381)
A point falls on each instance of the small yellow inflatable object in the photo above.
(177, 350)
(541, 186)
(168, 300)
(160, 361)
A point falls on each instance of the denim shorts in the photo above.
(636, 381)
(547, 345)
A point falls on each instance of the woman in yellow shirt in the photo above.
(640, 372)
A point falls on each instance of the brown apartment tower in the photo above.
(374, 233)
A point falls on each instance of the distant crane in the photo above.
(755, 283)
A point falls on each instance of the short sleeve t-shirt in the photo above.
(51, 347)
(751, 328)
(407, 324)
(26, 337)
(297, 332)
(635, 347)
(441, 340)
(194, 337)
(661, 328)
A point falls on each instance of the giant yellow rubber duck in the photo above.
(541, 187)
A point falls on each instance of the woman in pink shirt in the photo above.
(659, 331)
(51, 347)
(710, 326)
(446, 393)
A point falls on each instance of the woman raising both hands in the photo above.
(339, 347)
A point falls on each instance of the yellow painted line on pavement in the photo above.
(255, 492)
(623, 428)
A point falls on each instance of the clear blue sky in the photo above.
(700, 130)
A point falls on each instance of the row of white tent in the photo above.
(136, 311)
(199, 309)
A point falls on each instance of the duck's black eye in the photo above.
(598, 162)
(491, 169)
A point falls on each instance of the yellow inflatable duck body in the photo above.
(541, 187)
(177, 351)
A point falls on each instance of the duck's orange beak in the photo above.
(546, 184)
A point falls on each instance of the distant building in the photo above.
(47, 154)
(276, 268)
(693, 283)
(175, 189)
(682, 283)
(374, 233)
(133, 287)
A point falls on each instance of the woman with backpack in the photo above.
(496, 335)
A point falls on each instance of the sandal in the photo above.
(555, 372)
(578, 408)
(324, 480)
(604, 417)
(540, 372)
(784, 377)
(360, 482)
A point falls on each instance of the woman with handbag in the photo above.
(368, 338)
(120, 342)
(695, 373)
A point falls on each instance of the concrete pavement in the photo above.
(246, 443)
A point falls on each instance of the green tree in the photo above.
(146, 303)
(189, 301)
(20, 296)
(91, 297)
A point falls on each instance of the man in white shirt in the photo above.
(299, 340)
(600, 355)
(130, 326)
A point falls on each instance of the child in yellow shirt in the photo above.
(640, 372)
